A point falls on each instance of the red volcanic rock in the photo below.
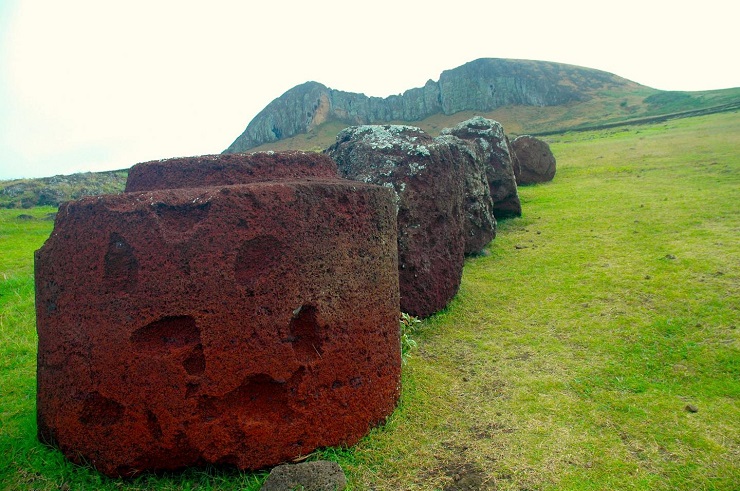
(242, 325)
(493, 150)
(535, 161)
(428, 182)
(225, 169)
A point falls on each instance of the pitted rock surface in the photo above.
(493, 149)
(429, 185)
(535, 162)
(219, 170)
(320, 475)
(241, 325)
(479, 224)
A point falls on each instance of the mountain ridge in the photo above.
(606, 101)
(485, 84)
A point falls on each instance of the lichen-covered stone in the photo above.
(219, 170)
(535, 162)
(243, 325)
(321, 475)
(429, 186)
(492, 148)
(479, 222)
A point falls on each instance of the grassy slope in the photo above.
(565, 362)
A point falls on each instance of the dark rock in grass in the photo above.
(242, 325)
(428, 182)
(309, 476)
(219, 170)
(479, 223)
(534, 161)
(492, 149)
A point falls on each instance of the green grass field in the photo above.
(566, 362)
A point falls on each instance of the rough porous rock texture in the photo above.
(242, 325)
(479, 223)
(535, 162)
(321, 475)
(428, 182)
(219, 170)
(491, 147)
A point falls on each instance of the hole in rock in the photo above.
(305, 334)
(168, 333)
(51, 291)
(182, 217)
(100, 410)
(259, 397)
(191, 389)
(195, 363)
(256, 258)
(121, 266)
(152, 424)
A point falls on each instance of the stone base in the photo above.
(241, 325)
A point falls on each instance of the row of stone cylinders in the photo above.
(243, 309)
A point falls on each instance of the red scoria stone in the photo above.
(243, 325)
(225, 169)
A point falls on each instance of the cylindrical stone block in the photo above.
(228, 169)
(429, 186)
(243, 325)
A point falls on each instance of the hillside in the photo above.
(525, 96)
(51, 191)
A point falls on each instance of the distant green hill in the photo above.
(51, 191)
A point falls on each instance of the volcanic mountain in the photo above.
(525, 96)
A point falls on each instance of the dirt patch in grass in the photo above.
(457, 471)
(465, 476)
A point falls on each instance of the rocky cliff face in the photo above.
(482, 85)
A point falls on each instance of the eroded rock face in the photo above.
(219, 170)
(491, 148)
(480, 85)
(429, 186)
(479, 223)
(244, 324)
(535, 161)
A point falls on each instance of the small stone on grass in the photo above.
(321, 475)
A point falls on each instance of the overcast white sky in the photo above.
(99, 85)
